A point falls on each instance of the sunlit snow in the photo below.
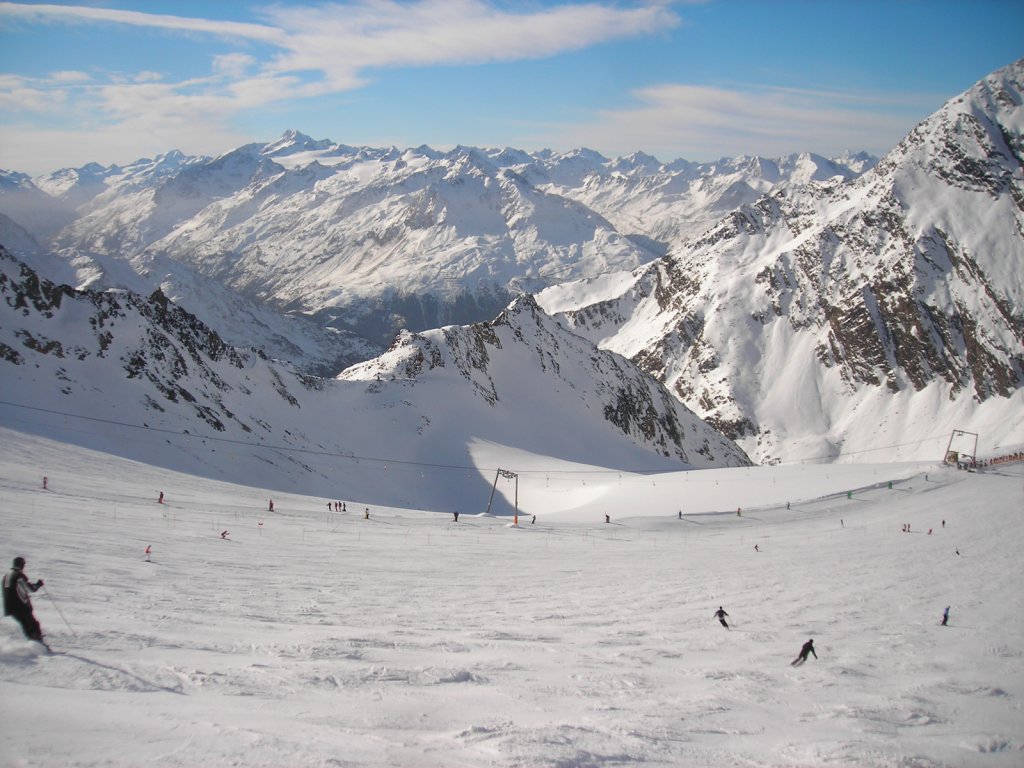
(309, 637)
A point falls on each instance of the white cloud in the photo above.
(321, 49)
(233, 64)
(80, 14)
(32, 100)
(702, 122)
(349, 38)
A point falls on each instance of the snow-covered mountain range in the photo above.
(843, 317)
(370, 240)
(807, 307)
(143, 378)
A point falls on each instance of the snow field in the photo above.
(327, 639)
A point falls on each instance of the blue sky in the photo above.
(115, 81)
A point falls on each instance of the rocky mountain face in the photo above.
(525, 363)
(144, 378)
(367, 241)
(804, 323)
(85, 348)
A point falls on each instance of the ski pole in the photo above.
(59, 611)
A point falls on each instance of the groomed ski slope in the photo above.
(324, 639)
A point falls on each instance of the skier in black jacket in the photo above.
(17, 602)
(720, 614)
(807, 648)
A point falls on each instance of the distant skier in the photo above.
(607, 518)
(270, 507)
(366, 514)
(160, 500)
(757, 548)
(456, 515)
(46, 480)
(17, 602)
(807, 648)
(224, 534)
(945, 617)
(149, 550)
(680, 514)
(720, 614)
(533, 520)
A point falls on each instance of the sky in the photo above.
(114, 81)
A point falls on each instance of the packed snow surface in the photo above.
(309, 637)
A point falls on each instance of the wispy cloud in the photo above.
(342, 40)
(24, 95)
(316, 50)
(85, 15)
(330, 47)
(709, 122)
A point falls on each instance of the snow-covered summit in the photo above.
(842, 318)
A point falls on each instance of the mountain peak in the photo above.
(292, 141)
(901, 289)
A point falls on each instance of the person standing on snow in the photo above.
(807, 648)
(17, 602)
(720, 614)
(945, 617)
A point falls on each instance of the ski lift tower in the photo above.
(508, 476)
(966, 449)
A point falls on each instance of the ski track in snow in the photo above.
(323, 639)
